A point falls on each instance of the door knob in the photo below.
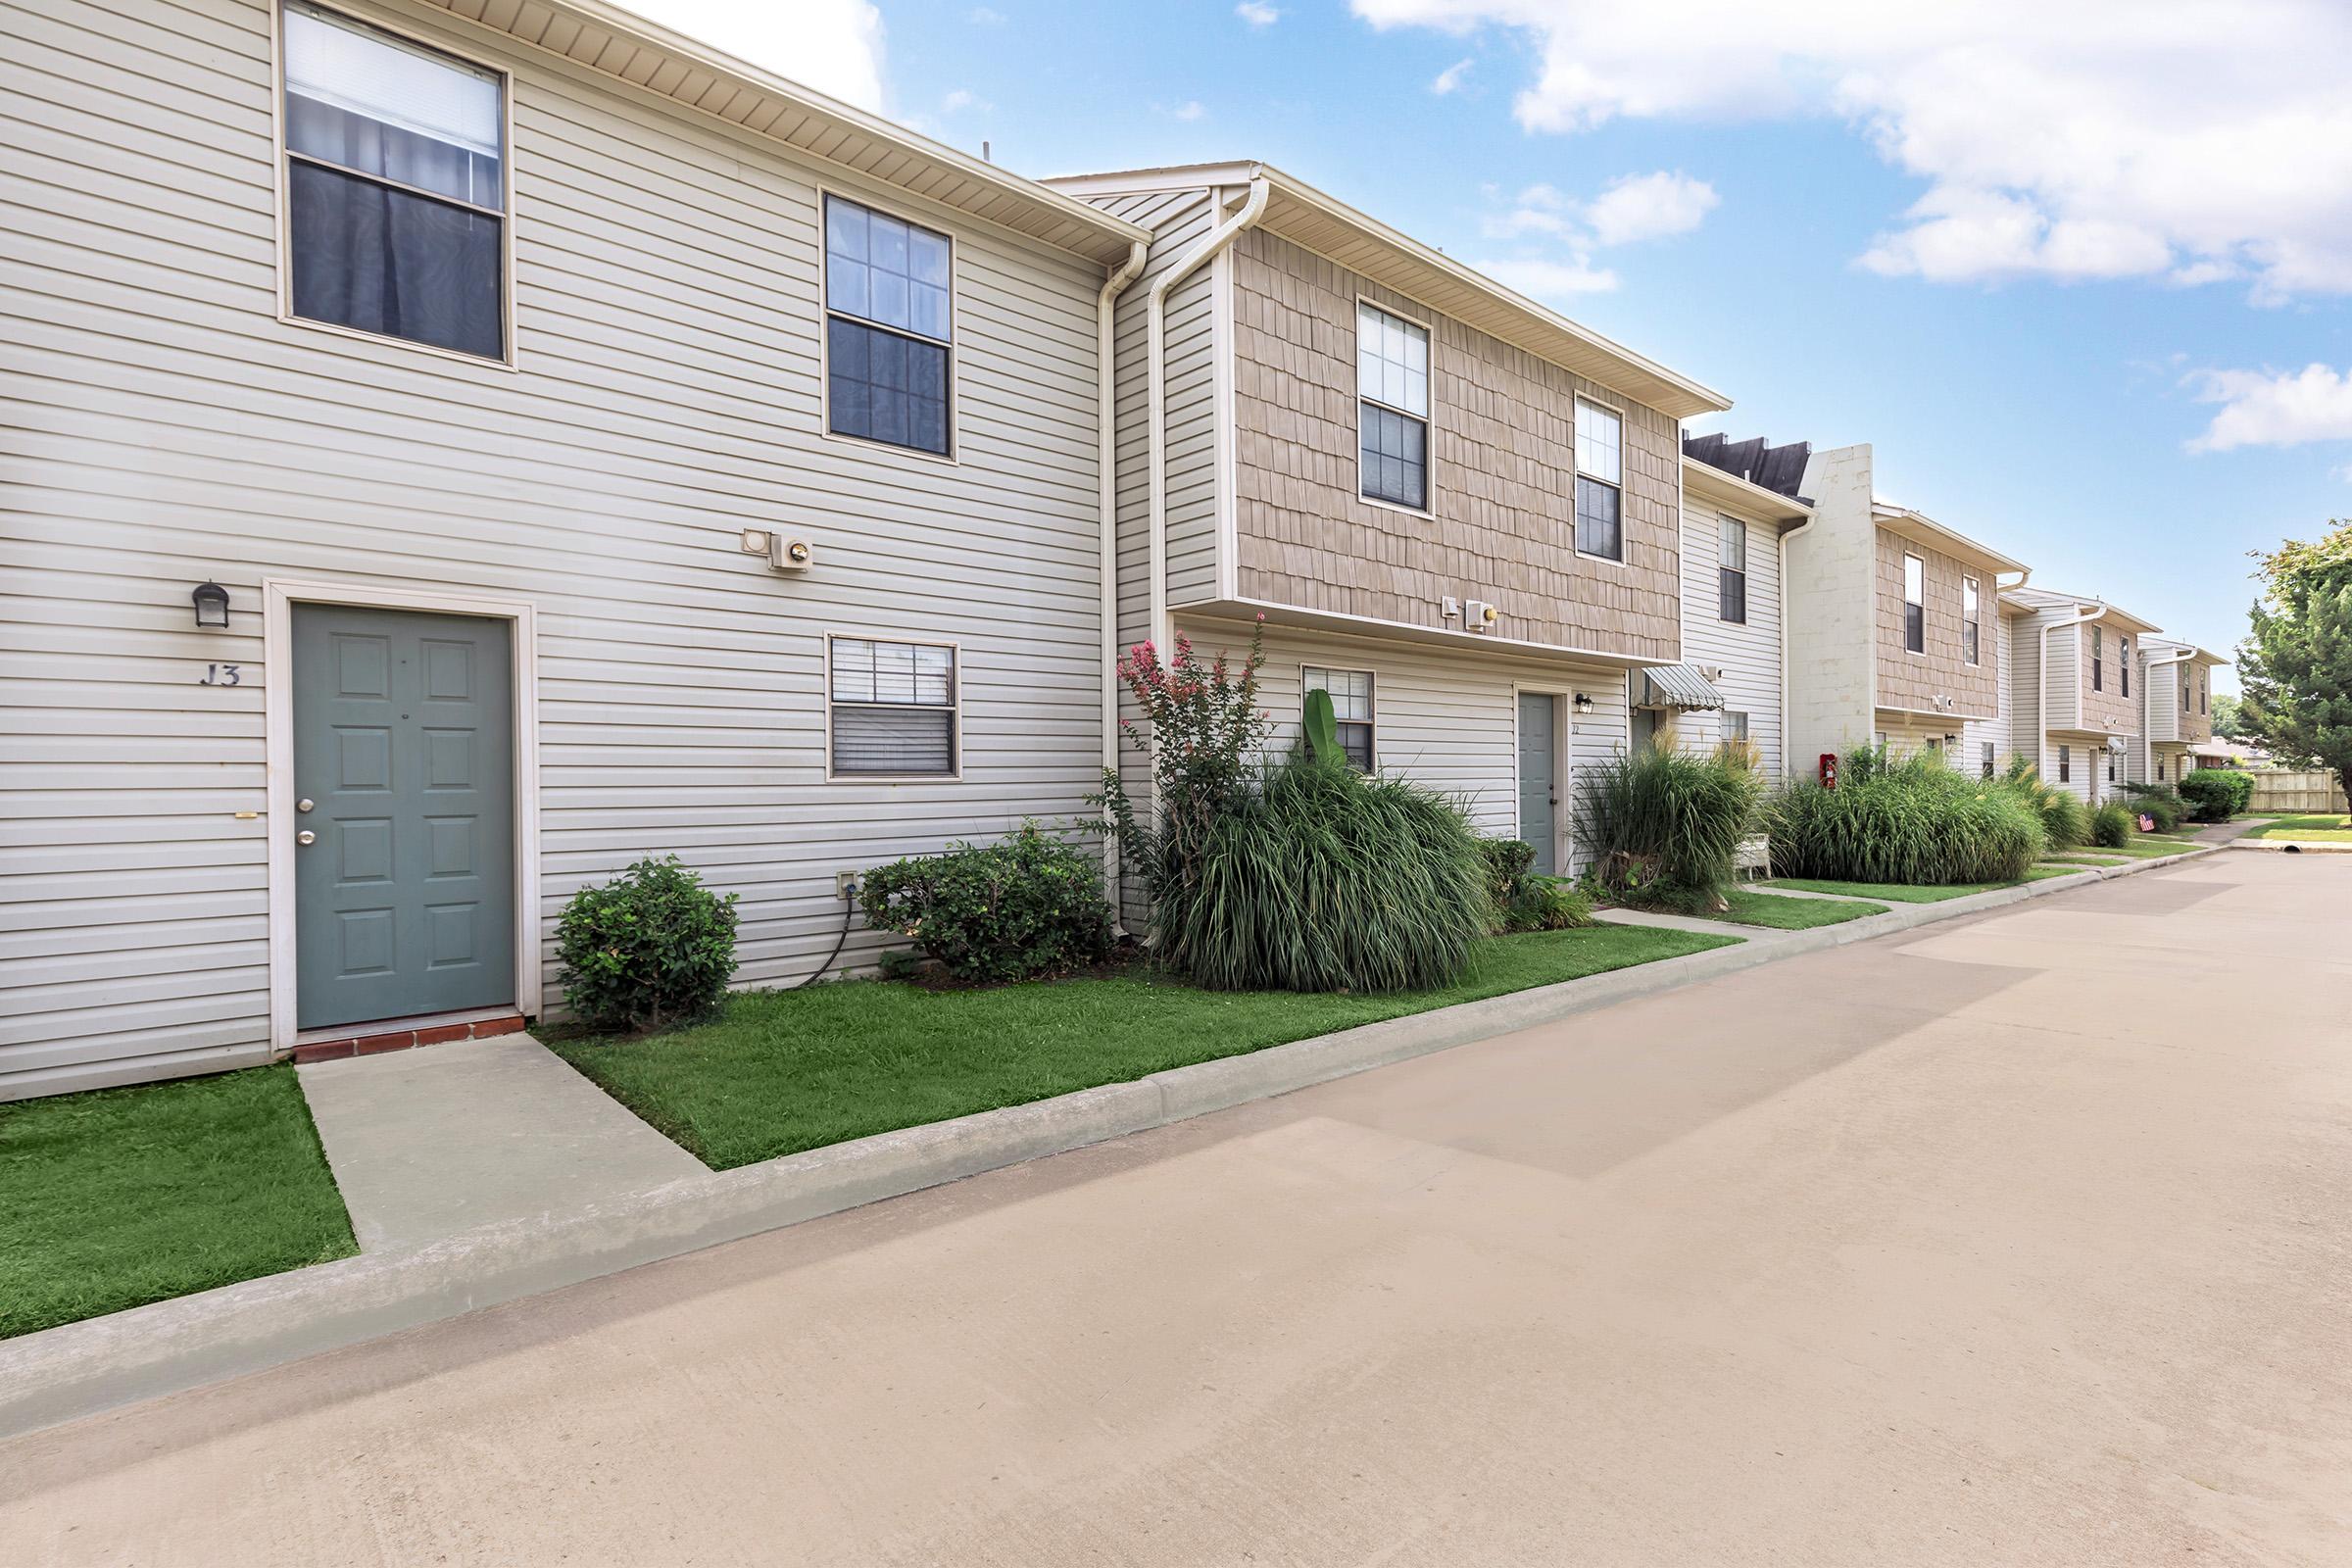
(306, 836)
(305, 804)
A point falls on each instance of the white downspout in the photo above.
(1155, 312)
(1788, 762)
(2042, 716)
(1106, 471)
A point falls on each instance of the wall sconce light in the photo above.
(1584, 705)
(212, 607)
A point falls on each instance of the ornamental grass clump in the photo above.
(1522, 898)
(1664, 826)
(1913, 821)
(2158, 805)
(2065, 819)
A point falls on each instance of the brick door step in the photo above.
(405, 1039)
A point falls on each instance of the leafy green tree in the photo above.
(2227, 720)
(2294, 673)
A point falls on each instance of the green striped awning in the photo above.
(1679, 686)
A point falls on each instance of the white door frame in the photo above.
(280, 596)
(1563, 727)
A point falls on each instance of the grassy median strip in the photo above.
(1903, 893)
(2323, 828)
(122, 1197)
(1791, 915)
(781, 1071)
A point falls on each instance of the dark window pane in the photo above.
(1731, 595)
(1394, 456)
(1915, 628)
(1968, 640)
(894, 739)
(1598, 530)
(885, 387)
(383, 260)
(1356, 741)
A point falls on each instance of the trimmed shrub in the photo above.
(1664, 826)
(1915, 822)
(651, 949)
(1522, 898)
(1326, 879)
(2216, 794)
(993, 913)
(2159, 804)
(2112, 827)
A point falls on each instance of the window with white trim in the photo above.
(1350, 692)
(2066, 764)
(2204, 693)
(1599, 481)
(893, 708)
(2122, 656)
(2098, 659)
(1968, 611)
(1391, 389)
(1915, 604)
(1734, 726)
(1985, 759)
(396, 186)
(1731, 572)
(889, 328)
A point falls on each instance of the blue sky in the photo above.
(2087, 300)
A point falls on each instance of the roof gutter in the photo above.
(1106, 473)
(2041, 739)
(1155, 368)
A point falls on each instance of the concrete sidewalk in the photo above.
(2012, 1239)
(429, 1143)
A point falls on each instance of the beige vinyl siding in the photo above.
(1749, 655)
(1445, 718)
(165, 428)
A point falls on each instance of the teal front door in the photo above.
(404, 784)
(1539, 778)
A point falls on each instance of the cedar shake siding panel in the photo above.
(1501, 476)
(1912, 681)
(2108, 712)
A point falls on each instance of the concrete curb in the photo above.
(80, 1369)
(2288, 845)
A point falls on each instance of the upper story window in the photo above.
(893, 708)
(1730, 572)
(2098, 659)
(1350, 692)
(889, 328)
(2123, 662)
(1915, 604)
(1599, 481)
(2204, 693)
(2184, 679)
(396, 186)
(1392, 388)
(1968, 619)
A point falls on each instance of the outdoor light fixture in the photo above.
(1584, 704)
(212, 607)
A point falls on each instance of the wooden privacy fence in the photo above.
(2277, 790)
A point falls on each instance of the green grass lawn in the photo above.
(122, 1197)
(1903, 893)
(780, 1071)
(2323, 828)
(1791, 915)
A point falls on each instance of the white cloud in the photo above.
(982, 16)
(1190, 108)
(2178, 140)
(1257, 13)
(960, 99)
(2274, 408)
(1539, 278)
(1640, 207)
(832, 45)
(1450, 78)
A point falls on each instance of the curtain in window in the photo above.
(381, 260)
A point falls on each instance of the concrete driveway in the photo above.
(2024, 1240)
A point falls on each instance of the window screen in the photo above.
(1351, 709)
(1730, 572)
(1600, 481)
(1391, 385)
(887, 328)
(1914, 609)
(894, 708)
(395, 186)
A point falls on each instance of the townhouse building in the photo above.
(1740, 508)
(461, 450)
(1458, 511)
(2078, 713)
(1893, 634)
(2176, 711)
